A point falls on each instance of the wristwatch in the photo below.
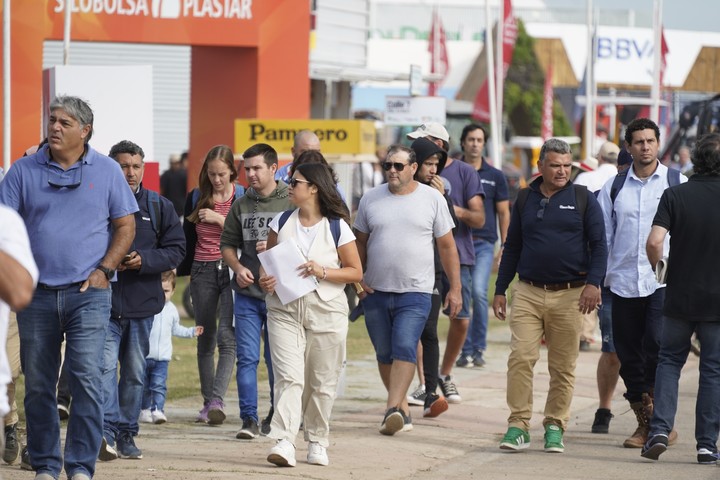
(109, 272)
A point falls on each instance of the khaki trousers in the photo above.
(536, 312)
(307, 343)
(13, 353)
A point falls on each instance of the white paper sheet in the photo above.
(281, 262)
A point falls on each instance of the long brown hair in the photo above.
(323, 177)
(218, 152)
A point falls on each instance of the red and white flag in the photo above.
(663, 55)
(438, 52)
(547, 115)
(481, 106)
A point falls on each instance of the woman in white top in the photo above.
(308, 334)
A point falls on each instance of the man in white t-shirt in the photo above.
(18, 277)
(395, 227)
(607, 158)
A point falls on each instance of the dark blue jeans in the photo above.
(674, 350)
(127, 343)
(637, 328)
(155, 388)
(250, 319)
(82, 318)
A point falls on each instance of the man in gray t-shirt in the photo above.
(395, 227)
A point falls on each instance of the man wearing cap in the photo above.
(637, 298)
(466, 193)
(608, 368)
(397, 256)
(605, 170)
(556, 244)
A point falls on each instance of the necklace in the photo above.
(254, 232)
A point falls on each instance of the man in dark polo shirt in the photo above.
(556, 244)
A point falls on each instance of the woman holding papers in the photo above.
(308, 334)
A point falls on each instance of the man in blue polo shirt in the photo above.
(556, 244)
(79, 215)
(497, 216)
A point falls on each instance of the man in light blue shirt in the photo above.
(304, 140)
(79, 216)
(637, 299)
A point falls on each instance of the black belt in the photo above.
(45, 286)
(554, 287)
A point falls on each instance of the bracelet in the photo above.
(324, 274)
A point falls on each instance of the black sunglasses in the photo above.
(398, 166)
(294, 181)
(543, 204)
(60, 181)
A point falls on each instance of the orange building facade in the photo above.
(249, 58)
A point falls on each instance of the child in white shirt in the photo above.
(165, 325)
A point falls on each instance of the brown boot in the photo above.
(641, 409)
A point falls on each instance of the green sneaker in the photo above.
(554, 439)
(515, 439)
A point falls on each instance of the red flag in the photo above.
(547, 116)
(663, 55)
(438, 52)
(481, 106)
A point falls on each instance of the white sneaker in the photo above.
(145, 416)
(282, 454)
(417, 398)
(158, 417)
(317, 454)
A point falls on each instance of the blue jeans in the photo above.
(394, 322)
(127, 343)
(155, 387)
(675, 346)
(476, 340)
(212, 295)
(250, 319)
(82, 319)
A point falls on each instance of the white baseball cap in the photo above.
(430, 129)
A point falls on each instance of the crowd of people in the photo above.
(270, 265)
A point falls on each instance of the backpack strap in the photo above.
(334, 225)
(673, 177)
(153, 206)
(617, 185)
(581, 199)
(195, 197)
(521, 199)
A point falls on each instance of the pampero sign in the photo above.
(401, 110)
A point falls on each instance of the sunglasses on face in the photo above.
(398, 166)
(295, 181)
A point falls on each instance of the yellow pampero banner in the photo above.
(337, 137)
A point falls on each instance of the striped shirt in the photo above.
(208, 234)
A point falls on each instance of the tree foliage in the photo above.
(524, 84)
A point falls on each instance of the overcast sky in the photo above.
(677, 14)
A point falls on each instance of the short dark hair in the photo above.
(706, 155)
(268, 153)
(126, 146)
(641, 124)
(471, 128)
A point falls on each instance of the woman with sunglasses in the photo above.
(308, 334)
(205, 210)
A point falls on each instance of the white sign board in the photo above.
(414, 110)
(120, 97)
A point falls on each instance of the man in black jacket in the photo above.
(137, 296)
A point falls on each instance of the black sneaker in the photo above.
(266, 422)
(393, 422)
(478, 359)
(126, 448)
(407, 422)
(107, 450)
(655, 446)
(25, 459)
(707, 457)
(434, 405)
(602, 421)
(249, 429)
(449, 390)
(12, 447)
(465, 361)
